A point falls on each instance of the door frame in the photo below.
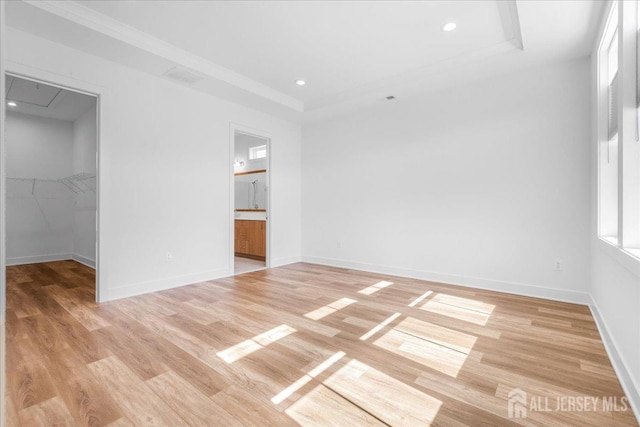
(41, 76)
(233, 128)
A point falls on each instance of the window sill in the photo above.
(629, 258)
(633, 252)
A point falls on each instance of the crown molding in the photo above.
(511, 22)
(89, 18)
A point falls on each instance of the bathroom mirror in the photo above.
(251, 191)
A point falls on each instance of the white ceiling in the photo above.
(334, 46)
(351, 53)
(42, 100)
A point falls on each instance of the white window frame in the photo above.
(624, 17)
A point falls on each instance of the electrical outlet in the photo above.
(558, 265)
(169, 256)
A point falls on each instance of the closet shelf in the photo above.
(80, 182)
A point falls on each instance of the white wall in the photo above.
(39, 216)
(38, 147)
(165, 172)
(483, 185)
(84, 212)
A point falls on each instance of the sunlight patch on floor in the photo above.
(329, 308)
(284, 394)
(465, 309)
(420, 298)
(375, 288)
(323, 407)
(431, 345)
(379, 326)
(383, 396)
(246, 347)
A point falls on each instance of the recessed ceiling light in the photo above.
(450, 26)
(12, 104)
(301, 82)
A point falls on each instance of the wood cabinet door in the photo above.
(257, 239)
(250, 238)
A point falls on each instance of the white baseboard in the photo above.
(279, 262)
(38, 258)
(450, 279)
(161, 284)
(84, 260)
(630, 386)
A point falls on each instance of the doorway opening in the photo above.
(51, 181)
(251, 201)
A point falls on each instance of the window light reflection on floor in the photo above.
(246, 347)
(378, 327)
(394, 402)
(420, 298)
(329, 308)
(375, 288)
(434, 346)
(284, 394)
(465, 309)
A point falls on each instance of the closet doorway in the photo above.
(51, 182)
(250, 191)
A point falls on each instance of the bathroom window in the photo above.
(259, 152)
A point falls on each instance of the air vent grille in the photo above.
(183, 76)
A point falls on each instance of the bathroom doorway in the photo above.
(250, 201)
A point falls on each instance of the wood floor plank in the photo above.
(79, 310)
(30, 383)
(130, 352)
(135, 399)
(187, 401)
(85, 397)
(50, 413)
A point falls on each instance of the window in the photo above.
(619, 129)
(608, 83)
(259, 152)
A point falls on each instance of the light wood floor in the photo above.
(246, 265)
(301, 344)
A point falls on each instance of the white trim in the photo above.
(34, 259)
(629, 385)
(279, 262)
(456, 280)
(91, 263)
(162, 284)
(123, 33)
(3, 236)
(3, 360)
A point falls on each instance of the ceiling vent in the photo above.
(183, 76)
(390, 98)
